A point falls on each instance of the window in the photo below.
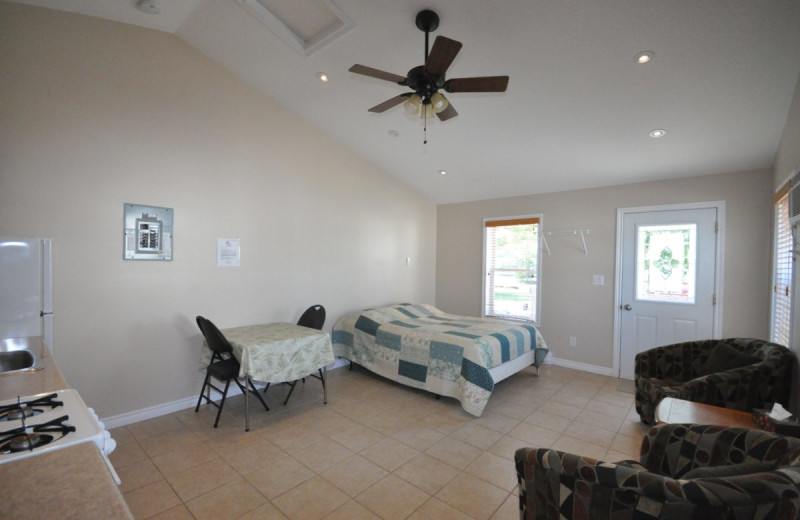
(511, 260)
(782, 273)
(666, 263)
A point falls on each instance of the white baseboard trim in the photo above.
(585, 367)
(152, 412)
(158, 410)
(124, 419)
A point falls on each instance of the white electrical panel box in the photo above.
(147, 232)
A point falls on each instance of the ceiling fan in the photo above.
(427, 80)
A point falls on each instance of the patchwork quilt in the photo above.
(420, 346)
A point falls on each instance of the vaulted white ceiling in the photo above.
(578, 109)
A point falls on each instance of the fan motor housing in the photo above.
(423, 83)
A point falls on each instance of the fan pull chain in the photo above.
(424, 125)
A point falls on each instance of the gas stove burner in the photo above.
(25, 442)
(28, 438)
(15, 414)
(22, 409)
(38, 424)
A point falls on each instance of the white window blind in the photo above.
(782, 281)
(512, 268)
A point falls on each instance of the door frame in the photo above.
(719, 205)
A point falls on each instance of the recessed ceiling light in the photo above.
(442, 172)
(658, 132)
(322, 77)
(393, 133)
(149, 6)
(644, 57)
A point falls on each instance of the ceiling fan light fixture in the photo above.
(439, 102)
(426, 111)
(412, 104)
(427, 79)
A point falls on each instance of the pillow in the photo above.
(730, 470)
(725, 357)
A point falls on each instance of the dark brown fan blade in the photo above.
(480, 84)
(375, 73)
(447, 113)
(389, 103)
(442, 54)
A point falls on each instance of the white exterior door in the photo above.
(667, 279)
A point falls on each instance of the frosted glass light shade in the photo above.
(426, 111)
(412, 104)
(439, 102)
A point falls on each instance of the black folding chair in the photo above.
(313, 318)
(223, 367)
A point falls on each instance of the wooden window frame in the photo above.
(489, 224)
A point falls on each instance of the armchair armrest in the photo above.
(743, 388)
(675, 449)
(554, 485)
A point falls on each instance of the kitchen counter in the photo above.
(72, 482)
(32, 383)
(69, 483)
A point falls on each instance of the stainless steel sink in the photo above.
(19, 361)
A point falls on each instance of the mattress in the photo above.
(420, 346)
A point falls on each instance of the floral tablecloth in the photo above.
(276, 352)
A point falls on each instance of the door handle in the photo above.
(626, 307)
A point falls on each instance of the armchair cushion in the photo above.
(555, 485)
(678, 371)
(725, 357)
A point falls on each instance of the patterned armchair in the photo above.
(683, 371)
(757, 478)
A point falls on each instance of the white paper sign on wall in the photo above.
(228, 252)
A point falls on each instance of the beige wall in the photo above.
(571, 305)
(95, 114)
(788, 157)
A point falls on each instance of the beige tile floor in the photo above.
(377, 450)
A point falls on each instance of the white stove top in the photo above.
(87, 427)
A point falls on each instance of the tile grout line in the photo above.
(510, 413)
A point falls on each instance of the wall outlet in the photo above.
(408, 260)
(598, 279)
(573, 342)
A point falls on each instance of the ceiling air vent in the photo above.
(305, 25)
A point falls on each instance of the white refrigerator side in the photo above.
(47, 292)
(26, 292)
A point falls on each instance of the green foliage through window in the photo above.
(512, 263)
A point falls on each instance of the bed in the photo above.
(455, 356)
